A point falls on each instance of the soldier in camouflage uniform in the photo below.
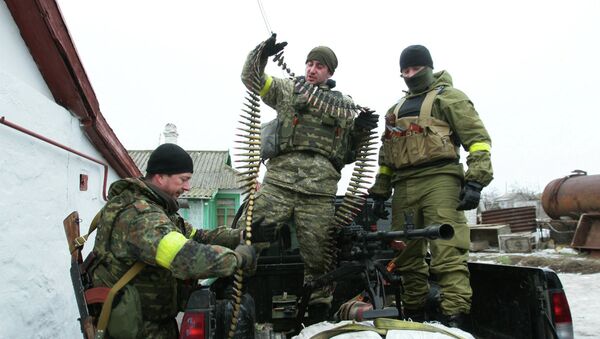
(301, 179)
(140, 223)
(419, 160)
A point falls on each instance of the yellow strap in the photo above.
(382, 326)
(385, 170)
(107, 306)
(352, 327)
(480, 146)
(80, 241)
(267, 86)
(168, 247)
(395, 324)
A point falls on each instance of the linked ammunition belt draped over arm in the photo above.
(328, 103)
(356, 192)
(331, 104)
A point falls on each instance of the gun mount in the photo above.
(358, 250)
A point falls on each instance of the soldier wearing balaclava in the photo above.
(420, 169)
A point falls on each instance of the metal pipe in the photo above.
(66, 148)
(572, 195)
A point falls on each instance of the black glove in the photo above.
(366, 121)
(469, 196)
(248, 254)
(272, 48)
(379, 210)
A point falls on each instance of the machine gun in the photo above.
(358, 244)
(359, 249)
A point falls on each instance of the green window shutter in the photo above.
(226, 205)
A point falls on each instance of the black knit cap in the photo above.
(169, 159)
(415, 55)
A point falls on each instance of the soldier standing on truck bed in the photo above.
(140, 224)
(419, 160)
(312, 146)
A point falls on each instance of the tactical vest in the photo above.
(157, 288)
(309, 128)
(415, 137)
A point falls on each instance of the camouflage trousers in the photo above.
(163, 330)
(433, 200)
(310, 217)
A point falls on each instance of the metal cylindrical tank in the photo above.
(572, 195)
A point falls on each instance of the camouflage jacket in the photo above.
(454, 107)
(302, 170)
(131, 226)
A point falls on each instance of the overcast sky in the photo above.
(530, 68)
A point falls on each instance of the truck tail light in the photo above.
(562, 315)
(193, 326)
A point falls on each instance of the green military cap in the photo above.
(324, 55)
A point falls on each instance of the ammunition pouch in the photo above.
(313, 130)
(419, 140)
(431, 144)
(269, 139)
(125, 319)
(117, 309)
(126, 316)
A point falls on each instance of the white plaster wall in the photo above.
(39, 187)
(14, 55)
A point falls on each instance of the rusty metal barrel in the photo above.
(572, 195)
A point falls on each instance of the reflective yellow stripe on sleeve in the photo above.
(168, 247)
(267, 86)
(193, 232)
(480, 146)
(385, 170)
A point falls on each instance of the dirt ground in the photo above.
(571, 262)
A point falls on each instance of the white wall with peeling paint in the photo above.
(39, 187)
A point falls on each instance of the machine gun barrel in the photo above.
(443, 231)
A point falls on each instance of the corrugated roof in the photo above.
(200, 193)
(212, 171)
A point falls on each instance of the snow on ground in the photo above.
(583, 294)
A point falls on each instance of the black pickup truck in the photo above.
(508, 301)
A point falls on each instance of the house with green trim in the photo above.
(214, 196)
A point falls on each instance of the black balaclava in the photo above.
(415, 56)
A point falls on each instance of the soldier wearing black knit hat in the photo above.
(419, 167)
(139, 227)
(169, 159)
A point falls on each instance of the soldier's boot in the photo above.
(317, 313)
(459, 320)
(416, 315)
